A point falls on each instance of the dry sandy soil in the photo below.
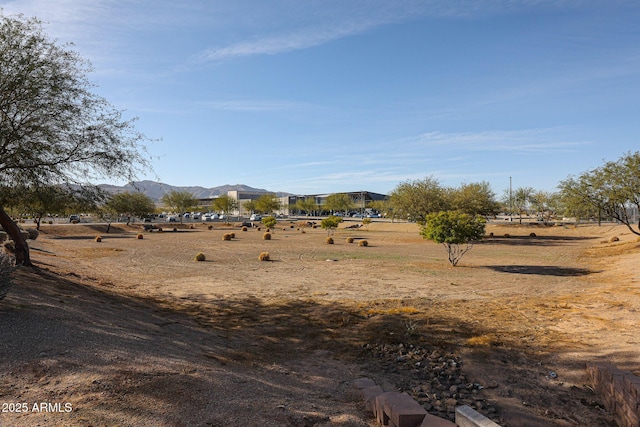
(135, 332)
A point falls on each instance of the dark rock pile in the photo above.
(433, 377)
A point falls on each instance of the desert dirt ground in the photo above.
(134, 332)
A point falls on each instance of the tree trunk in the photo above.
(12, 229)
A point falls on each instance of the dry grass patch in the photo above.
(264, 256)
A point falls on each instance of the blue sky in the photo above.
(315, 96)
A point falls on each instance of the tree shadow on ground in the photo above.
(543, 270)
(206, 362)
(513, 240)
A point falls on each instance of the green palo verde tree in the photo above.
(54, 130)
(270, 222)
(330, 224)
(179, 201)
(225, 204)
(130, 205)
(456, 231)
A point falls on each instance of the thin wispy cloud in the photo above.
(252, 105)
(272, 45)
(526, 141)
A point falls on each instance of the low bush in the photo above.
(532, 234)
(226, 236)
(140, 237)
(233, 235)
(266, 236)
(244, 228)
(329, 241)
(507, 235)
(349, 239)
(363, 243)
(614, 239)
(210, 227)
(264, 256)
(200, 257)
(98, 239)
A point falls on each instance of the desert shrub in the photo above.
(284, 228)
(614, 239)
(292, 226)
(98, 239)
(491, 234)
(233, 235)
(349, 240)
(192, 227)
(200, 257)
(226, 236)
(258, 228)
(507, 235)
(140, 237)
(302, 231)
(175, 229)
(532, 234)
(210, 227)
(244, 228)
(6, 268)
(329, 240)
(363, 243)
(32, 233)
(75, 221)
(269, 221)
(160, 229)
(50, 222)
(264, 256)
(266, 236)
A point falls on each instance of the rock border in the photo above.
(396, 409)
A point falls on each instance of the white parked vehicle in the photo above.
(255, 217)
(209, 217)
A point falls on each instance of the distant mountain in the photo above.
(156, 190)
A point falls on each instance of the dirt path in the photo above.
(134, 332)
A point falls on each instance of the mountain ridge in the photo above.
(155, 190)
